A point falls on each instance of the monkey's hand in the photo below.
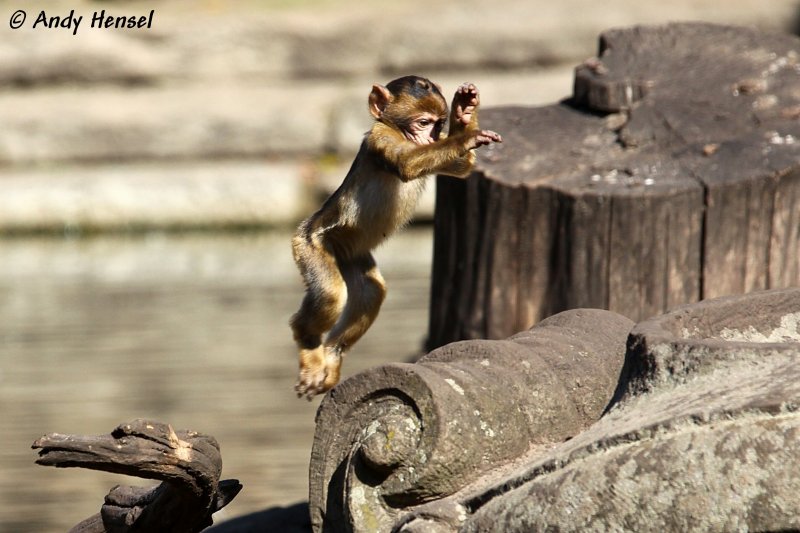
(465, 102)
(319, 371)
(482, 138)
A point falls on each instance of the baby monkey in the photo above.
(332, 248)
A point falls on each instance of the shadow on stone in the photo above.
(291, 519)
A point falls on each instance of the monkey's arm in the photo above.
(451, 155)
(463, 119)
(461, 167)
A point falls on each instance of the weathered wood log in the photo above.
(671, 175)
(698, 339)
(703, 433)
(189, 463)
(396, 436)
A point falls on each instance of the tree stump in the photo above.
(670, 176)
(189, 463)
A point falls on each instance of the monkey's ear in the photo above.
(379, 98)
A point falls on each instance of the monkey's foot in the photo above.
(465, 101)
(319, 371)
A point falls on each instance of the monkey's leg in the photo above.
(322, 305)
(366, 291)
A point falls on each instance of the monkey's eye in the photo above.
(424, 122)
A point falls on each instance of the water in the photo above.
(190, 330)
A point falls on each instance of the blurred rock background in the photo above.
(236, 114)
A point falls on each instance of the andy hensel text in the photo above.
(99, 20)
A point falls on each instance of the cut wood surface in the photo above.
(671, 175)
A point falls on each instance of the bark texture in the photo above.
(188, 463)
(671, 175)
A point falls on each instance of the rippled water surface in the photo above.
(190, 330)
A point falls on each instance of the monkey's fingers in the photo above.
(487, 137)
(469, 89)
(465, 102)
(496, 137)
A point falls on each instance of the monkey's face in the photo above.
(413, 105)
(424, 128)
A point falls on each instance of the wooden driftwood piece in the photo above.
(399, 435)
(188, 463)
(671, 175)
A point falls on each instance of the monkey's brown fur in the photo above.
(332, 248)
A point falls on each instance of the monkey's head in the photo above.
(413, 105)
